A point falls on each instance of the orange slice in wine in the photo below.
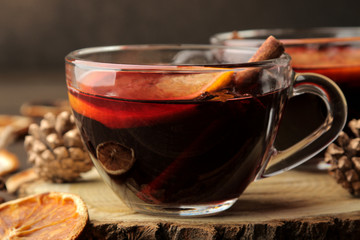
(115, 158)
(154, 86)
(43, 216)
(142, 86)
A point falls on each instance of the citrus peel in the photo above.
(124, 114)
(141, 86)
(155, 86)
(51, 215)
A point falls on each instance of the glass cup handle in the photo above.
(320, 138)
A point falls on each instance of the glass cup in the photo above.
(331, 51)
(182, 130)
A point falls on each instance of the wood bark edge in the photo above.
(345, 226)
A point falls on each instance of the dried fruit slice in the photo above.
(115, 158)
(121, 114)
(43, 216)
(16, 180)
(155, 86)
(8, 162)
(19, 124)
(40, 108)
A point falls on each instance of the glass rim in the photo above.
(254, 37)
(75, 58)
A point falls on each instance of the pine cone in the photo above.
(55, 148)
(344, 158)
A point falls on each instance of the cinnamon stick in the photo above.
(271, 48)
(246, 80)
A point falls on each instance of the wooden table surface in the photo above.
(293, 205)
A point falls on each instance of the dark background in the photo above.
(36, 34)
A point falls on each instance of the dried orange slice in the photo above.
(189, 86)
(154, 86)
(43, 216)
(8, 162)
(142, 86)
(40, 108)
(15, 181)
(19, 124)
(119, 114)
(115, 158)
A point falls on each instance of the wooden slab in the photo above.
(293, 205)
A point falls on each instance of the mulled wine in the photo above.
(191, 152)
(183, 130)
(331, 51)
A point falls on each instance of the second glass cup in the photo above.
(331, 51)
(184, 129)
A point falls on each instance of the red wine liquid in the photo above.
(189, 152)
